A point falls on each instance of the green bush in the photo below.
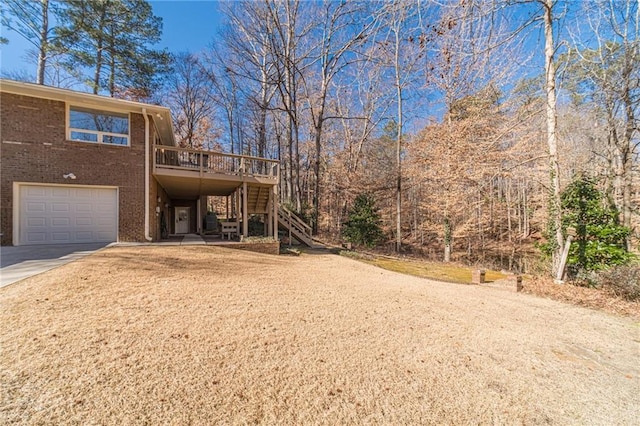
(256, 225)
(363, 226)
(623, 281)
(600, 241)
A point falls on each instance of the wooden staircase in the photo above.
(258, 199)
(296, 227)
(258, 203)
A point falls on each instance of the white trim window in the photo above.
(97, 126)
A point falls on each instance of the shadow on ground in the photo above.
(11, 255)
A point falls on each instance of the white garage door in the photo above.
(67, 214)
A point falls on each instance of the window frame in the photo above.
(100, 135)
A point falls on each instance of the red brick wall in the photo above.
(156, 191)
(34, 148)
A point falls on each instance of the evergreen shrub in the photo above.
(600, 240)
(363, 226)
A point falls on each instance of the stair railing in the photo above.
(295, 224)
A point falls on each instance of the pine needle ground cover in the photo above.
(204, 335)
(448, 272)
(595, 298)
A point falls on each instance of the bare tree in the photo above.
(190, 98)
(401, 46)
(288, 29)
(468, 64)
(248, 58)
(337, 34)
(552, 142)
(227, 96)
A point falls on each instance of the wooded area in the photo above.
(464, 121)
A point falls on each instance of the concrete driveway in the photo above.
(18, 263)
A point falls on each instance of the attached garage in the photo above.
(65, 214)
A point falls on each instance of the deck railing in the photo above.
(166, 157)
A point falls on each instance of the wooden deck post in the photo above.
(236, 214)
(275, 212)
(268, 229)
(199, 216)
(154, 158)
(245, 216)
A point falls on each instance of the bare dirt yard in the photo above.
(205, 335)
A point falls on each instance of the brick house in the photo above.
(77, 167)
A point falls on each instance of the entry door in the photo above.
(182, 220)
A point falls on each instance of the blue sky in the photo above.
(187, 25)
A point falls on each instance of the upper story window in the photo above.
(91, 125)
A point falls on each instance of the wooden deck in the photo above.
(189, 172)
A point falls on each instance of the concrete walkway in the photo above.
(18, 263)
(192, 240)
(174, 240)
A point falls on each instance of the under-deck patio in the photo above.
(251, 182)
(188, 174)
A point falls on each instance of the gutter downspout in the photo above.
(146, 176)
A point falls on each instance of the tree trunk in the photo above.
(44, 42)
(448, 238)
(291, 159)
(112, 65)
(508, 203)
(96, 77)
(551, 108)
(316, 172)
(99, 52)
(262, 125)
(398, 144)
(630, 128)
(297, 187)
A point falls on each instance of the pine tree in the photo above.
(363, 225)
(30, 19)
(111, 37)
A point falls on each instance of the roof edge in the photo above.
(56, 93)
(161, 115)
